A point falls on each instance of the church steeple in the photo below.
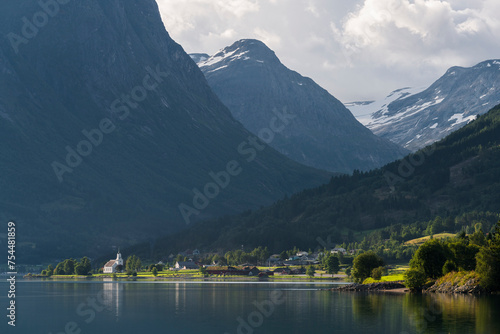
(119, 259)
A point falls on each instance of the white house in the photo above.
(110, 266)
(337, 250)
(186, 265)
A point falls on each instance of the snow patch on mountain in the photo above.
(460, 118)
(224, 57)
(417, 117)
(364, 110)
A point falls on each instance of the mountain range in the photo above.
(414, 118)
(320, 132)
(110, 134)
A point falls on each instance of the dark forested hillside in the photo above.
(107, 126)
(459, 174)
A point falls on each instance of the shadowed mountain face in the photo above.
(415, 118)
(253, 83)
(458, 175)
(107, 126)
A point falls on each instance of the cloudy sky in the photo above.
(356, 49)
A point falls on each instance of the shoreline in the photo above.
(386, 287)
(191, 278)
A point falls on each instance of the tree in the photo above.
(377, 273)
(310, 271)
(80, 269)
(415, 278)
(478, 237)
(449, 266)
(363, 265)
(59, 269)
(69, 266)
(154, 272)
(464, 256)
(431, 256)
(86, 266)
(50, 270)
(488, 267)
(341, 258)
(332, 264)
(133, 264)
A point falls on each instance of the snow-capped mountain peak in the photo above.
(317, 131)
(417, 117)
(242, 50)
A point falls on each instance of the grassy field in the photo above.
(395, 274)
(389, 278)
(420, 241)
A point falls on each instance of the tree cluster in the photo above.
(475, 252)
(366, 265)
(70, 267)
(133, 265)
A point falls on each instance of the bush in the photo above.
(449, 266)
(415, 278)
(364, 264)
(377, 273)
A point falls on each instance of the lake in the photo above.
(235, 307)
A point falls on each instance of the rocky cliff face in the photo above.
(319, 132)
(416, 118)
(107, 126)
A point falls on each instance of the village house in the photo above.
(186, 265)
(337, 250)
(274, 260)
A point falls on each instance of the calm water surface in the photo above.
(233, 307)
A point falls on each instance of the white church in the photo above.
(110, 266)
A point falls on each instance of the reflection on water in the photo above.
(428, 313)
(112, 296)
(205, 307)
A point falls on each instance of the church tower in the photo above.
(119, 260)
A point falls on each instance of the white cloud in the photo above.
(354, 48)
(417, 33)
(270, 39)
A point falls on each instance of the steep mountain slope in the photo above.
(199, 57)
(319, 131)
(416, 118)
(460, 174)
(107, 126)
